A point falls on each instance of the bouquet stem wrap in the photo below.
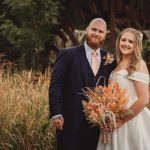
(103, 137)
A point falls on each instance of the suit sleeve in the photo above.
(60, 70)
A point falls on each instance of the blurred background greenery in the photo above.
(32, 31)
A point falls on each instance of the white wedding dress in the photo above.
(135, 134)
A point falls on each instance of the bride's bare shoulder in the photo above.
(142, 67)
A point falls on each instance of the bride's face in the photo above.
(126, 44)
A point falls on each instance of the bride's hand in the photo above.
(108, 127)
(118, 124)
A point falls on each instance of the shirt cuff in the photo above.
(56, 116)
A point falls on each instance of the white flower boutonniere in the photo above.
(109, 58)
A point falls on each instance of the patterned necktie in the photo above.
(94, 62)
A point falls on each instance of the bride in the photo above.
(132, 74)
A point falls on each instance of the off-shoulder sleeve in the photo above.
(140, 77)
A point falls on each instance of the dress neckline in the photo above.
(124, 70)
(114, 72)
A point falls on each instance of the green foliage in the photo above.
(26, 25)
(147, 44)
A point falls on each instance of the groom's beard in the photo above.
(94, 44)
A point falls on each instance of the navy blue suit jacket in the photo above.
(69, 77)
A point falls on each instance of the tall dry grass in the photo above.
(24, 123)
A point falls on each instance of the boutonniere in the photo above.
(109, 58)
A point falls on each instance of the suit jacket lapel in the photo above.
(84, 65)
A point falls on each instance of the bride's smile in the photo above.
(127, 44)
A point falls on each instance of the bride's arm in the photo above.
(142, 91)
(143, 99)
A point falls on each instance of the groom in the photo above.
(76, 68)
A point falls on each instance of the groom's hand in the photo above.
(58, 122)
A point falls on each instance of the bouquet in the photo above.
(105, 104)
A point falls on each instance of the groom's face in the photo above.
(95, 34)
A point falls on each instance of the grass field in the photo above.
(24, 123)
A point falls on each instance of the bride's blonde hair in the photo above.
(136, 56)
